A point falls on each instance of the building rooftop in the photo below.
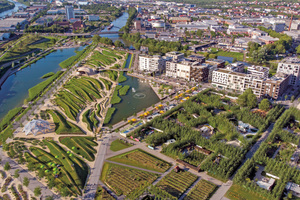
(291, 60)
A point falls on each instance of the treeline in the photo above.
(6, 5)
(278, 168)
(132, 14)
(96, 8)
(262, 54)
(44, 29)
(154, 46)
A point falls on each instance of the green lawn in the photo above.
(142, 159)
(237, 192)
(118, 145)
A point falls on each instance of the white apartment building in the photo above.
(151, 63)
(236, 81)
(291, 67)
(258, 71)
(180, 69)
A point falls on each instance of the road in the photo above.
(93, 181)
(24, 173)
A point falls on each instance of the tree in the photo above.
(26, 181)
(264, 105)
(49, 198)
(285, 97)
(7, 166)
(214, 56)
(96, 38)
(247, 99)
(37, 191)
(292, 98)
(298, 49)
(16, 175)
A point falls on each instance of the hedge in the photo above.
(109, 114)
(39, 88)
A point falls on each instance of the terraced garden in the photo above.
(202, 191)
(142, 159)
(83, 146)
(176, 183)
(62, 126)
(63, 170)
(76, 93)
(124, 180)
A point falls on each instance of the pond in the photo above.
(139, 96)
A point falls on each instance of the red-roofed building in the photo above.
(78, 25)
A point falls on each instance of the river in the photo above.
(15, 88)
(118, 24)
(15, 9)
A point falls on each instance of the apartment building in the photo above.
(262, 87)
(175, 55)
(200, 59)
(151, 63)
(258, 71)
(187, 69)
(276, 85)
(220, 63)
(291, 67)
(236, 81)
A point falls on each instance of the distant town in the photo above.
(150, 100)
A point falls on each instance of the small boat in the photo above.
(133, 90)
(110, 26)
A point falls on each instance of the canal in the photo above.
(15, 88)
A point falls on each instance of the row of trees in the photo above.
(278, 168)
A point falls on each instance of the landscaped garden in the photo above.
(142, 159)
(83, 146)
(175, 183)
(126, 181)
(202, 191)
(61, 168)
(102, 194)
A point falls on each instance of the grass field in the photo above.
(202, 191)
(176, 183)
(109, 113)
(125, 180)
(237, 55)
(83, 146)
(237, 192)
(142, 159)
(118, 145)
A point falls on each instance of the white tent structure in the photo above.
(37, 126)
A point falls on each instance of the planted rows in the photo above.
(123, 180)
(201, 191)
(176, 183)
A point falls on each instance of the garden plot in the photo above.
(142, 159)
(102, 194)
(176, 183)
(202, 191)
(125, 180)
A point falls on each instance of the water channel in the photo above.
(15, 9)
(15, 88)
